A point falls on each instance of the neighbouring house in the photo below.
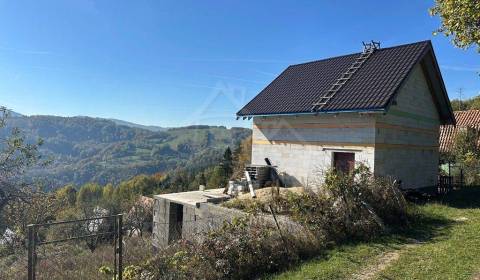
(464, 119)
(382, 107)
(453, 172)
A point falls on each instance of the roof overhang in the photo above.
(364, 111)
(437, 87)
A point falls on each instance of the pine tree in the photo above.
(227, 163)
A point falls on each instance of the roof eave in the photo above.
(374, 110)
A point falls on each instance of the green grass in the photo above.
(449, 248)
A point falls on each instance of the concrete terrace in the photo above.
(193, 198)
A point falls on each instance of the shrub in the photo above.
(353, 206)
(241, 249)
(356, 205)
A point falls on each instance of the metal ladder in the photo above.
(368, 49)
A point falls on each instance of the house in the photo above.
(382, 107)
(454, 172)
(464, 119)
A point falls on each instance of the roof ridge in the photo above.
(463, 111)
(357, 53)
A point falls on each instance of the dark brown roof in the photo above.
(371, 88)
(470, 118)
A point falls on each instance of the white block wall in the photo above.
(302, 147)
(409, 153)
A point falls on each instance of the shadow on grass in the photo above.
(467, 197)
(425, 226)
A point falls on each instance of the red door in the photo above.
(344, 162)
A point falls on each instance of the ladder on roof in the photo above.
(368, 49)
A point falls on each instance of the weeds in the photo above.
(349, 207)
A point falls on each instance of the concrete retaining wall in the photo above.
(199, 219)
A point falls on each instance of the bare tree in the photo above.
(140, 216)
(16, 157)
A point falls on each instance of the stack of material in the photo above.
(260, 174)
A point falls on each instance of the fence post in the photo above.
(30, 253)
(120, 246)
(462, 181)
(278, 227)
(115, 236)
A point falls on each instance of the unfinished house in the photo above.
(382, 107)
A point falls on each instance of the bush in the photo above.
(355, 206)
(238, 250)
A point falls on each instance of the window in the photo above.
(343, 162)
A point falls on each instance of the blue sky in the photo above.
(174, 63)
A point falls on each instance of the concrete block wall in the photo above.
(407, 136)
(198, 220)
(206, 217)
(302, 146)
(161, 214)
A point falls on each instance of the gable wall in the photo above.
(302, 146)
(407, 136)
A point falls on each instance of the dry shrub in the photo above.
(347, 206)
(354, 206)
(238, 250)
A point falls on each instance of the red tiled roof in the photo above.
(470, 118)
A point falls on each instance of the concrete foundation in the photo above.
(198, 216)
(188, 215)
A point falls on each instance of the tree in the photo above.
(460, 20)
(468, 104)
(34, 207)
(241, 157)
(466, 152)
(67, 195)
(139, 217)
(89, 197)
(227, 162)
(217, 178)
(16, 157)
(202, 180)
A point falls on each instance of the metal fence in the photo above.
(106, 227)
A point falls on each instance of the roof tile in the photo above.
(371, 87)
(470, 118)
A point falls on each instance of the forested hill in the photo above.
(87, 149)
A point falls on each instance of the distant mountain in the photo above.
(13, 114)
(136, 125)
(87, 149)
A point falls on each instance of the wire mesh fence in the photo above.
(56, 250)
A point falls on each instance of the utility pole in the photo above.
(460, 92)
